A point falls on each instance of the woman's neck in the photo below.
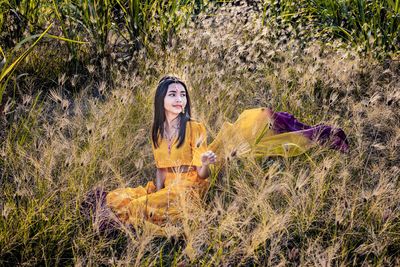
(172, 120)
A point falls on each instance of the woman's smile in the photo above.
(175, 99)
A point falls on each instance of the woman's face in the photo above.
(175, 99)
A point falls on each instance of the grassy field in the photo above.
(75, 120)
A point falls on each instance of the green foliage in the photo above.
(7, 69)
(10, 64)
(373, 25)
(141, 18)
(87, 19)
(138, 22)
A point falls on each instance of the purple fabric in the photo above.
(335, 138)
(94, 209)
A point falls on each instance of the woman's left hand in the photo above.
(208, 157)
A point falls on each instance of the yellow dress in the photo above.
(132, 205)
(258, 132)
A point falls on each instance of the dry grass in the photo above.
(323, 208)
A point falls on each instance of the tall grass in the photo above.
(322, 208)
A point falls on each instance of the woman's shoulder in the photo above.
(196, 128)
(194, 121)
(196, 124)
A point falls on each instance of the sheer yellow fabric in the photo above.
(252, 133)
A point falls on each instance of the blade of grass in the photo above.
(49, 36)
(8, 70)
(2, 53)
(21, 57)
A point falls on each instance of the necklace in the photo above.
(170, 137)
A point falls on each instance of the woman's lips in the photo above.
(177, 106)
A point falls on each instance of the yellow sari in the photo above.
(259, 131)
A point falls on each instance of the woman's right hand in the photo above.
(208, 157)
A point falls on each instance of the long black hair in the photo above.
(159, 112)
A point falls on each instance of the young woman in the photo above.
(182, 156)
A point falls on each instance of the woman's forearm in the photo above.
(203, 171)
(160, 178)
(206, 158)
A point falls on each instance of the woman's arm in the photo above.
(206, 158)
(160, 178)
(203, 171)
